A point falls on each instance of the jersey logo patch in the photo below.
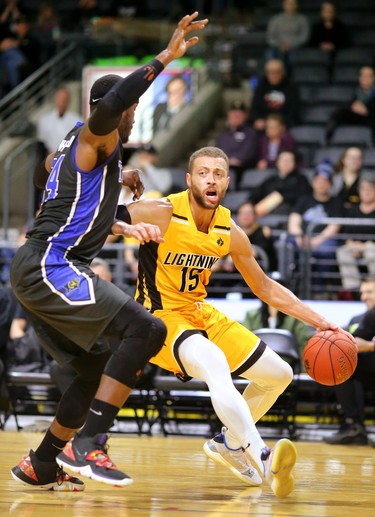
(71, 285)
(220, 242)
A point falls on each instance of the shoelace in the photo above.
(61, 476)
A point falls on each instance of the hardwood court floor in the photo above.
(173, 477)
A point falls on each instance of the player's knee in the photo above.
(284, 375)
(145, 336)
(142, 340)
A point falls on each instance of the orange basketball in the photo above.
(329, 357)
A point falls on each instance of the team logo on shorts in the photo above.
(220, 242)
(71, 285)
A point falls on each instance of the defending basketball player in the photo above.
(69, 306)
(201, 341)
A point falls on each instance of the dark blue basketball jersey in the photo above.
(78, 207)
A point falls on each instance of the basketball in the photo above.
(329, 357)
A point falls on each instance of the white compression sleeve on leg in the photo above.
(269, 377)
(203, 360)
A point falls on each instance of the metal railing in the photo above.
(312, 275)
(17, 105)
(11, 173)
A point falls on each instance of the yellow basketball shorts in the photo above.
(240, 346)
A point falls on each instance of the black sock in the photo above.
(50, 447)
(100, 418)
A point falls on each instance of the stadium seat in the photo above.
(309, 138)
(369, 158)
(306, 56)
(317, 115)
(364, 37)
(333, 153)
(309, 135)
(337, 94)
(252, 178)
(352, 135)
(355, 19)
(354, 56)
(310, 74)
(346, 74)
(234, 199)
(306, 94)
(178, 177)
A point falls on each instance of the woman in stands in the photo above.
(346, 178)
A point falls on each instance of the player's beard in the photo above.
(199, 199)
(125, 128)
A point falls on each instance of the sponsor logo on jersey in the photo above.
(189, 260)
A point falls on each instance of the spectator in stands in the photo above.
(157, 181)
(275, 140)
(355, 248)
(260, 237)
(279, 193)
(329, 33)
(10, 11)
(8, 306)
(86, 11)
(267, 316)
(238, 140)
(309, 209)
(351, 394)
(47, 29)
(28, 44)
(24, 351)
(11, 57)
(286, 32)
(176, 90)
(275, 93)
(53, 126)
(361, 109)
(346, 177)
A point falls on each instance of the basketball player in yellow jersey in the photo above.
(204, 343)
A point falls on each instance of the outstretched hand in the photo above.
(178, 45)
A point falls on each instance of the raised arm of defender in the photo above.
(99, 136)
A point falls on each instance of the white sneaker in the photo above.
(278, 465)
(234, 459)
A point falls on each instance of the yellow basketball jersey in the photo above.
(175, 273)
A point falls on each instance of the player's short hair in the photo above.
(102, 86)
(368, 280)
(212, 152)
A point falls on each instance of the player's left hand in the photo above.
(132, 178)
(177, 45)
(143, 232)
